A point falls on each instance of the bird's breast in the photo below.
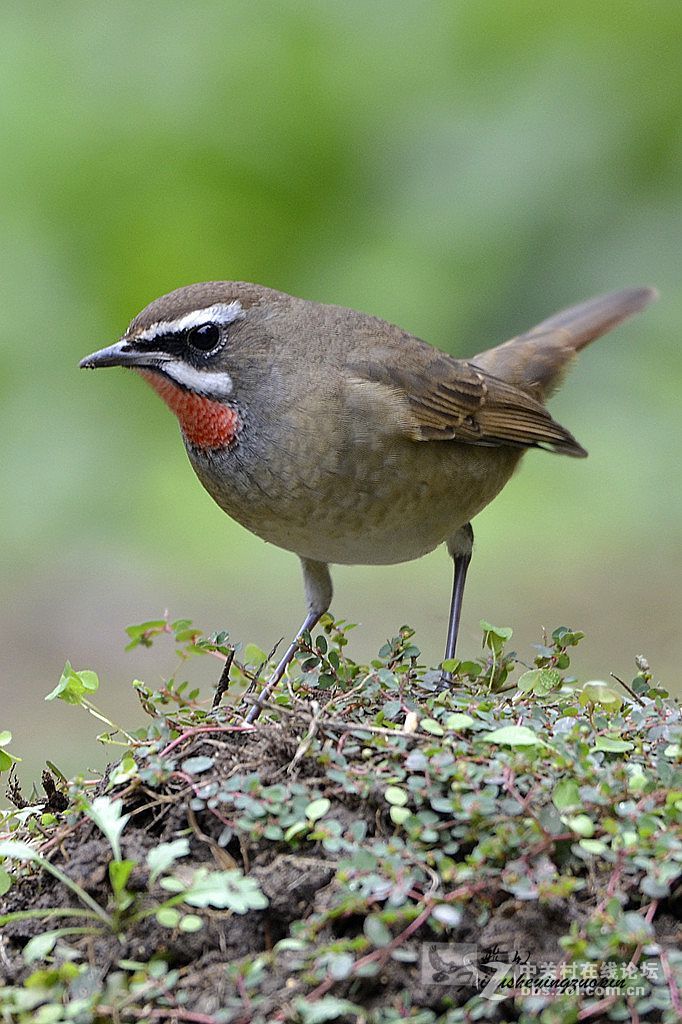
(372, 505)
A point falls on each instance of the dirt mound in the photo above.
(377, 849)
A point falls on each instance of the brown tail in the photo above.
(539, 358)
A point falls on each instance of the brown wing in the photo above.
(452, 400)
(494, 399)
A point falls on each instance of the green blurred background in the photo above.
(463, 169)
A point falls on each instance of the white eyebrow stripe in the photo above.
(219, 313)
(212, 383)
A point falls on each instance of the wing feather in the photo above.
(450, 399)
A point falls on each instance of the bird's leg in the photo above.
(460, 547)
(318, 592)
(255, 710)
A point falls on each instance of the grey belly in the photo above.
(396, 509)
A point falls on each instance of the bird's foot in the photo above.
(445, 682)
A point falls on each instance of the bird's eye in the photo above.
(204, 338)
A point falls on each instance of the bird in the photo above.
(343, 438)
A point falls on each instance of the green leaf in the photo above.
(505, 632)
(399, 815)
(289, 944)
(612, 744)
(7, 760)
(106, 814)
(458, 721)
(144, 632)
(317, 809)
(470, 668)
(39, 946)
(197, 765)
(567, 637)
(147, 627)
(655, 888)
(168, 917)
(448, 915)
(229, 890)
(325, 1009)
(254, 655)
(73, 686)
(161, 857)
(495, 637)
(514, 736)
(581, 824)
(432, 726)
(594, 846)
(191, 923)
(376, 931)
(638, 780)
(540, 681)
(340, 965)
(124, 771)
(566, 794)
(295, 830)
(119, 873)
(17, 850)
(396, 796)
(598, 692)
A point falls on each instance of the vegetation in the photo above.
(376, 848)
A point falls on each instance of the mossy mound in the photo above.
(375, 848)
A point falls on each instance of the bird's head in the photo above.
(183, 345)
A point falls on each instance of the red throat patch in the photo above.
(205, 423)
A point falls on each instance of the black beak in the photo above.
(120, 354)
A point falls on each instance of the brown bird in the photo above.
(343, 438)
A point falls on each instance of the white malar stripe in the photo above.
(219, 313)
(213, 384)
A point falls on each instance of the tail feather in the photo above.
(538, 359)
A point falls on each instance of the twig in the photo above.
(224, 681)
(222, 857)
(242, 727)
(305, 744)
(628, 688)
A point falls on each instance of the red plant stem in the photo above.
(597, 1008)
(673, 988)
